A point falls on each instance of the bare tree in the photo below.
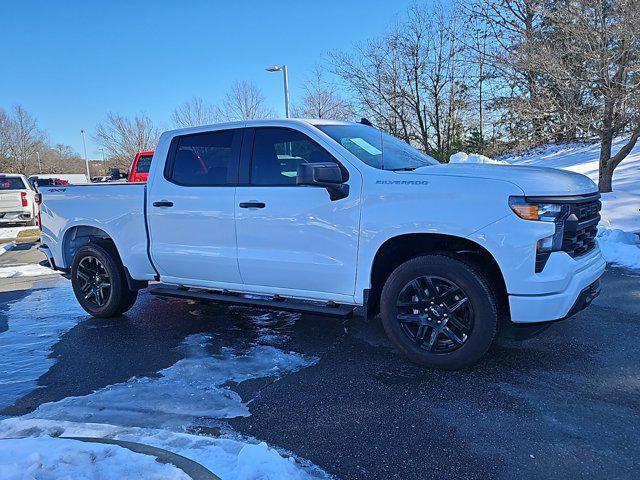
(320, 99)
(411, 82)
(244, 101)
(193, 113)
(122, 137)
(23, 139)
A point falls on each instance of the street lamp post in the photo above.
(86, 160)
(285, 74)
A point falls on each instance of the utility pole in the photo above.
(86, 159)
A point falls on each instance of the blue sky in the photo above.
(69, 62)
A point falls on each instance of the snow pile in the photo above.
(27, 270)
(192, 390)
(229, 458)
(50, 458)
(620, 248)
(11, 232)
(462, 157)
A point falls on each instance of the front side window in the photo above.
(12, 183)
(206, 158)
(277, 152)
(376, 148)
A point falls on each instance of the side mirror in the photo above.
(327, 175)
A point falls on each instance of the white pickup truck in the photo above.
(326, 216)
(17, 200)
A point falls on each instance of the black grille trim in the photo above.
(581, 227)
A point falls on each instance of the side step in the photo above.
(275, 303)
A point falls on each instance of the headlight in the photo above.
(542, 212)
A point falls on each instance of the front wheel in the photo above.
(99, 282)
(439, 312)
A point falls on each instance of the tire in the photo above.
(439, 312)
(93, 267)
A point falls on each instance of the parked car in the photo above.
(17, 200)
(139, 171)
(327, 216)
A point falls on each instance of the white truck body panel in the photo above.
(305, 245)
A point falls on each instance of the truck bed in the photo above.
(117, 209)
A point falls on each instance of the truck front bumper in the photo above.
(583, 287)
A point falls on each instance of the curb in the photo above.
(188, 466)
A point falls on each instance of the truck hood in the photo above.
(534, 181)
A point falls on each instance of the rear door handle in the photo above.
(163, 203)
(252, 205)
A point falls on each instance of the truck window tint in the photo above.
(144, 164)
(277, 152)
(11, 183)
(207, 159)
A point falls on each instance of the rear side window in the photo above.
(12, 183)
(144, 164)
(277, 152)
(206, 158)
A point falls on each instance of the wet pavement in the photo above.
(564, 404)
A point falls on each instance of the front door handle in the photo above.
(252, 205)
(163, 203)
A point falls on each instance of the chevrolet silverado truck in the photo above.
(17, 200)
(332, 217)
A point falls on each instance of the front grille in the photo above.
(581, 228)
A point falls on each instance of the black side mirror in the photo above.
(327, 175)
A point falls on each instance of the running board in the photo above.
(274, 303)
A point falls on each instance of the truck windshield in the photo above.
(11, 183)
(376, 148)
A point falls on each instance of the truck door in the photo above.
(191, 210)
(294, 239)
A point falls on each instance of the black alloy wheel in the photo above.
(94, 281)
(435, 314)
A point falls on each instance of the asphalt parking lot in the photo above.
(564, 404)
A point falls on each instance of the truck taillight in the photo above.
(23, 197)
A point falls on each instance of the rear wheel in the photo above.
(99, 282)
(439, 312)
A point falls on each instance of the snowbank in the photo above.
(28, 270)
(229, 458)
(462, 157)
(620, 248)
(56, 458)
(11, 232)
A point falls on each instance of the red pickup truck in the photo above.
(139, 171)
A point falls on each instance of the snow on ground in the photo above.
(462, 157)
(46, 457)
(230, 458)
(11, 232)
(160, 411)
(34, 325)
(190, 391)
(620, 208)
(27, 270)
